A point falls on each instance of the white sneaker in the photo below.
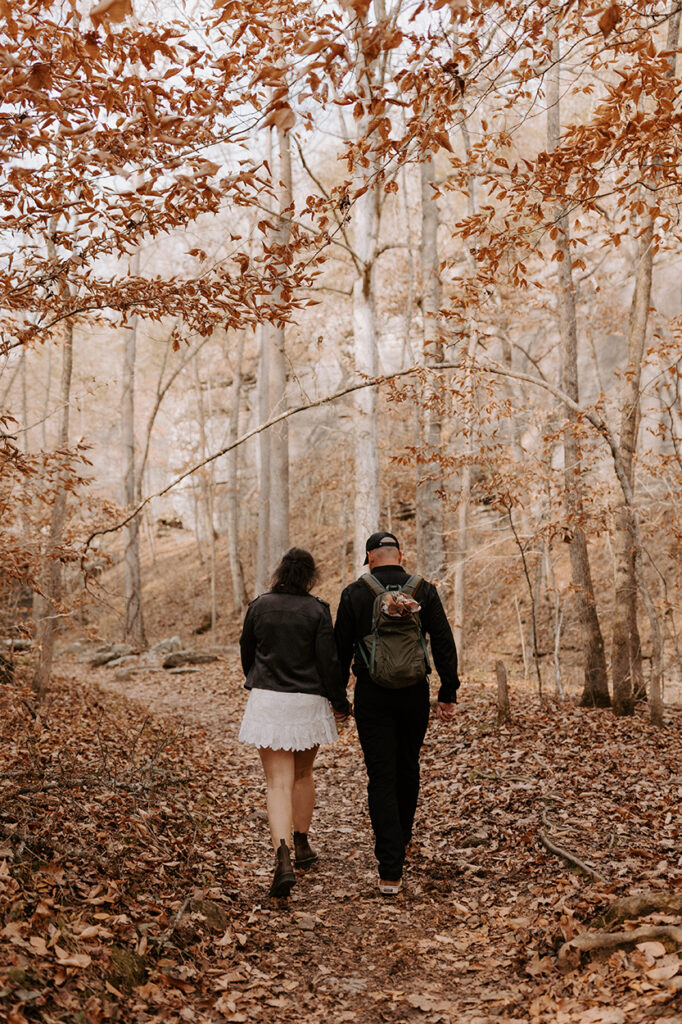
(390, 888)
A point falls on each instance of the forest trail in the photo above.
(473, 936)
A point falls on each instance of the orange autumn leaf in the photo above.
(111, 11)
(283, 117)
(609, 19)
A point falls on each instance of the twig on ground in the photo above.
(89, 854)
(31, 710)
(477, 774)
(131, 756)
(164, 939)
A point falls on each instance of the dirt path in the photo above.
(472, 936)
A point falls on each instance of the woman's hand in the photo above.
(343, 716)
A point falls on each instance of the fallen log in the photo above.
(179, 658)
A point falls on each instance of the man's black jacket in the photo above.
(287, 645)
(354, 621)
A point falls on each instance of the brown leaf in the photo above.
(66, 959)
(111, 11)
(283, 117)
(359, 6)
(428, 1004)
(39, 945)
(40, 76)
(654, 949)
(206, 169)
(666, 970)
(443, 139)
(609, 19)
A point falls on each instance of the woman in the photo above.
(292, 670)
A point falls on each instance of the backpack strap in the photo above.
(373, 584)
(412, 586)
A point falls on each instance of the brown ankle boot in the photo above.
(284, 877)
(304, 855)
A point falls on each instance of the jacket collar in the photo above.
(389, 572)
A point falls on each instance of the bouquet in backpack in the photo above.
(398, 604)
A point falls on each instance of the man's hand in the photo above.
(342, 716)
(445, 712)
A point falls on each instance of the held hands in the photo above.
(445, 712)
(343, 716)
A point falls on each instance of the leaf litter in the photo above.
(135, 862)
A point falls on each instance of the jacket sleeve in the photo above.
(247, 643)
(327, 661)
(443, 646)
(344, 634)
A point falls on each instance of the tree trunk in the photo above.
(628, 682)
(263, 539)
(557, 617)
(595, 691)
(503, 711)
(46, 400)
(45, 605)
(626, 654)
(365, 239)
(207, 483)
(133, 625)
(279, 440)
(366, 439)
(430, 524)
(236, 569)
(459, 590)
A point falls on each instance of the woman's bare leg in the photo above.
(278, 766)
(304, 788)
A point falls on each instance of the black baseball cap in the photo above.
(380, 540)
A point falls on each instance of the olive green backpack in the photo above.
(395, 651)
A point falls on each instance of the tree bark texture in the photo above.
(430, 524)
(595, 690)
(366, 212)
(628, 681)
(503, 710)
(262, 546)
(279, 441)
(207, 484)
(459, 588)
(625, 656)
(462, 544)
(236, 568)
(45, 604)
(133, 625)
(366, 437)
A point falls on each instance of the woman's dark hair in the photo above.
(295, 574)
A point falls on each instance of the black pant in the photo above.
(391, 726)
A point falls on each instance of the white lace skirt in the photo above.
(287, 721)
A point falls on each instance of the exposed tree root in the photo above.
(605, 942)
(559, 851)
(639, 906)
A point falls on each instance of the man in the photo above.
(392, 723)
